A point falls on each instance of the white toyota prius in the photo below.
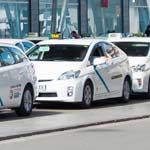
(138, 51)
(17, 80)
(80, 70)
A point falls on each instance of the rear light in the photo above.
(139, 82)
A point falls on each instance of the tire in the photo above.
(148, 92)
(126, 92)
(26, 105)
(87, 95)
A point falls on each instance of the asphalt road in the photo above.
(55, 108)
(131, 135)
(52, 117)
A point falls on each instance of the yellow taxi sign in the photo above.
(56, 36)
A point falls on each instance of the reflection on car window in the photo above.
(134, 48)
(58, 52)
(17, 54)
(6, 56)
(27, 45)
(20, 46)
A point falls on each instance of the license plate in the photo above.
(42, 88)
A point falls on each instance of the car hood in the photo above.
(133, 61)
(53, 70)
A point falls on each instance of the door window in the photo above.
(19, 57)
(97, 52)
(6, 56)
(110, 50)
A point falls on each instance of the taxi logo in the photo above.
(15, 91)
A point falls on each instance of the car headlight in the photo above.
(69, 75)
(139, 67)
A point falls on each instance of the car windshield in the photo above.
(136, 49)
(58, 52)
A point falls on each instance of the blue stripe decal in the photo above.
(100, 77)
(1, 102)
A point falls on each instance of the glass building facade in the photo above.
(139, 15)
(66, 16)
(88, 17)
(14, 20)
(45, 13)
(104, 18)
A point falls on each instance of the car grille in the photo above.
(47, 95)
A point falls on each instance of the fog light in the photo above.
(70, 91)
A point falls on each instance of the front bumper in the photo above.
(60, 90)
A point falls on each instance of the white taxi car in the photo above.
(23, 44)
(80, 70)
(138, 50)
(17, 80)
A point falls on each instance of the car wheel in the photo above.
(126, 92)
(87, 95)
(148, 92)
(25, 108)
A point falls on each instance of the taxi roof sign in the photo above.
(115, 35)
(56, 36)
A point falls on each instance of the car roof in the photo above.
(70, 41)
(36, 39)
(12, 41)
(9, 45)
(130, 39)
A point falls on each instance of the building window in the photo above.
(13, 18)
(45, 16)
(139, 15)
(67, 17)
(104, 16)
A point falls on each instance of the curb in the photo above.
(72, 127)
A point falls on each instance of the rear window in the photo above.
(58, 53)
(134, 48)
(27, 45)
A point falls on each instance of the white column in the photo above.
(62, 17)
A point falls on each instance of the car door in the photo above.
(3, 83)
(100, 72)
(20, 70)
(7, 62)
(114, 70)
